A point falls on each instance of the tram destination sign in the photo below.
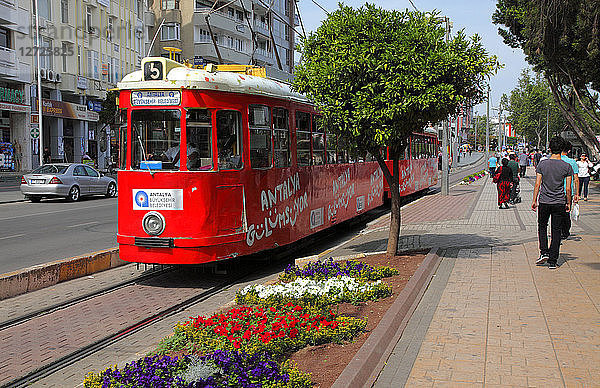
(156, 97)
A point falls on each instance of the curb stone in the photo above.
(48, 274)
(362, 371)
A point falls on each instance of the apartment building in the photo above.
(258, 32)
(15, 78)
(86, 46)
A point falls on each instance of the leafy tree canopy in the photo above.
(378, 75)
(531, 104)
(561, 39)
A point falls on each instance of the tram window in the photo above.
(303, 138)
(199, 134)
(155, 139)
(122, 121)
(229, 139)
(318, 142)
(331, 147)
(259, 121)
(281, 124)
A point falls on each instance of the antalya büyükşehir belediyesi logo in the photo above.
(141, 199)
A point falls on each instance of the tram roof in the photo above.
(182, 77)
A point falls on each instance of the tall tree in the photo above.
(561, 38)
(532, 106)
(378, 75)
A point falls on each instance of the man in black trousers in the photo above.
(551, 174)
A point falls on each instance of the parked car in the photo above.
(71, 181)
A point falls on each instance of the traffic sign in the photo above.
(35, 133)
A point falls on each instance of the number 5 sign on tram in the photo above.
(153, 71)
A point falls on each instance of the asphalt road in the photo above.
(36, 233)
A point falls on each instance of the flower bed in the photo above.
(329, 269)
(276, 330)
(249, 345)
(217, 369)
(473, 177)
(315, 293)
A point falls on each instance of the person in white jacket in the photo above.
(584, 175)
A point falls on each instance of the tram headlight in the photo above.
(153, 223)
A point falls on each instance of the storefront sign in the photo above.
(35, 132)
(157, 199)
(95, 106)
(68, 110)
(14, 107)
(82, 82)
(13, 96)
(156, 97)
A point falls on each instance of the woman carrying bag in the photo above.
(503, 179)
(584, 175)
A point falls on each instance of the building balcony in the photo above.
(264, 56)
(229, 55)
(220, 22)
(8, 11)
(148, 18)
(8, 62)
(261, 28)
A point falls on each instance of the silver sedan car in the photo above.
(71, 181)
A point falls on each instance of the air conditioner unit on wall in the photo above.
(57, 77)
(43, 74)
(50, 75)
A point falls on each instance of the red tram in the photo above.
(217, 164)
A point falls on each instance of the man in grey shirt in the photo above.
(523, 163)
(553, 200)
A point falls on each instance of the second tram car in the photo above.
(217, 164)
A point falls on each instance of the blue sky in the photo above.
(474, 16)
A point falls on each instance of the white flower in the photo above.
(334, 288)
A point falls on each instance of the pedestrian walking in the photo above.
(492, 164)
(567, 147)
(514, 168)
(551, 200)
(536, 158)
(503, 179)
(523, 164)
(584, 165)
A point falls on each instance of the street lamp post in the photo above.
(547, 119)
(39, 82)
(445, 184)
(487, 126)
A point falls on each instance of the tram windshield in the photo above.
(155, 139)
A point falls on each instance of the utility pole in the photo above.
(547, 119)
(475, 122)
(445, 170)
(487, 127)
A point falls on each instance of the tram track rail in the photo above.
(73, 301)
(96, 346)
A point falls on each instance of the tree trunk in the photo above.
(392, 179)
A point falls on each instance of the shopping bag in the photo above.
(575, 212)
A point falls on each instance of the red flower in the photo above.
(293, 333)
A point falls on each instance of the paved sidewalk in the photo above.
(490, 316)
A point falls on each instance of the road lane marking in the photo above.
(7, 237)
(87, 223)
(53, 212)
